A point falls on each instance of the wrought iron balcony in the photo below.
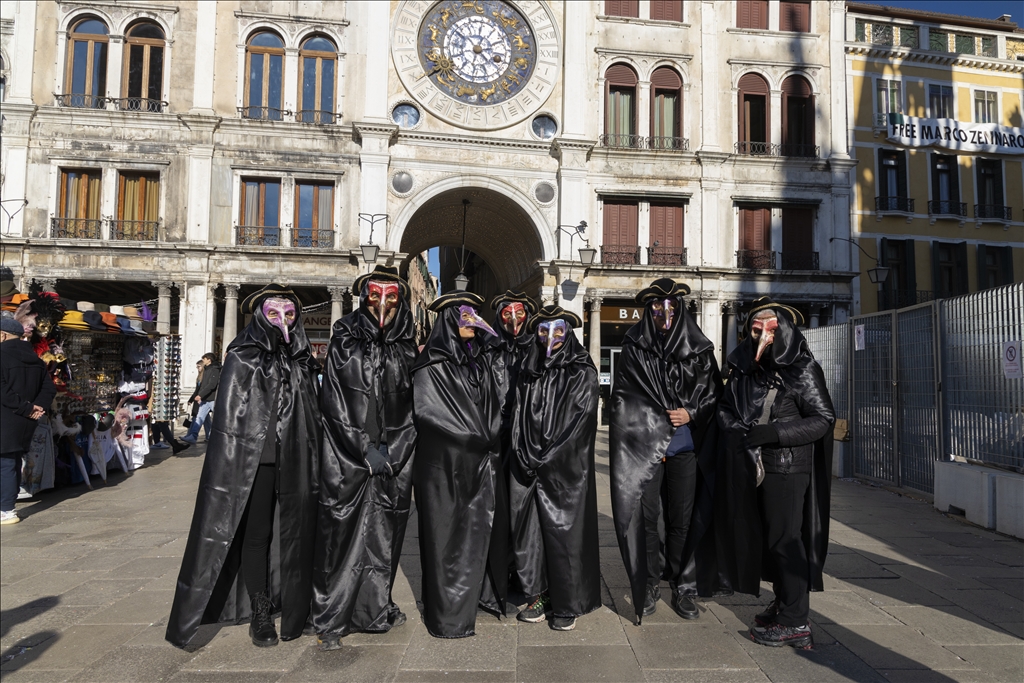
(799, 260)
(76, 228)
(755, 259)
(787, 149)
(945, 207)
(901, 204)
(756, 149)
(621, 141)
(80, 101)
(668, 143)
(901, 298)
(993, 212)
(263, 113)
(620, 254)
(304, 238)
(135, 231)
(666, 256)
(315, 116)
(256, 236)
(139, 104)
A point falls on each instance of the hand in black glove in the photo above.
(760, 435)
(377, 463)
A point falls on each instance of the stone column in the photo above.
(337, 303)
(230, 316)
(211, 317)
(163, 307)
(711, 132)
(815, 316)
(729, 309)
(202, 80)
(595, 330)
(22, 53)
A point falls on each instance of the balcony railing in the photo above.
(799, 260)
(80, 100)
(755, 259)
(756, 149)
(668, 143)
(255, 236)
(620, 254)
(76, 228)
(901, 204)
(135, 231)
(666, 256)
(900, 298)
(621, 141)
(787, 149)
(263, 113)
(657, 143)
(139, 104)
(315, 116)
(303, 238)
(993, 212)
(945, 207)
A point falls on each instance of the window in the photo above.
(753, 115)
(900, 288)
(755, 239)
(666, 237)
(666, 109)
(314, 215)
(989, 47)
(752, 14)
(949, 269)
(317, 59)
(860, 31)
(797, 118)
(888, 100)
(620, 107)
(892, 182)
(621, 221)
(667, 10)
(622, 8)
(990, 190)
(995, 266)
(78, 204)
(260, 212)
(143, 78)
(938, 41)
(985, 107)
(798, 238)
(138, 207)
(883, 34)
(264, 60)
(940, 101)
(795, 16)
(87, 65)
(946, 187)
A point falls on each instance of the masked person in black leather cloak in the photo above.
(365, 476)
(775, 405)
(662, 447)
(513, 341)
(553, 496)
(461, 495)
(250, 548)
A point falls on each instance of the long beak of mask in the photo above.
(551, 334)
(382, 299)
(767, 327)
(468, 317)
(282, 314)
(513, 317)
(664, 311)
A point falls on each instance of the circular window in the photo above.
(405, 115)
(544, 127)
(544, 192)
(402, 182)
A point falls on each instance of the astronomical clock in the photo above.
(483, 64)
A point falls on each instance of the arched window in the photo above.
(143, 78)
(264, 61)
(666, 109)
(620, 107)
(86, 77)
(754, 116)
(317, 59)
(797, 118)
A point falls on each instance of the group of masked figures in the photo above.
(307, 485)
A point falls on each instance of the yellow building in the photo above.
(934, 106)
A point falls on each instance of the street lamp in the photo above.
(878, 274)
(461, 281)
(587, 253)
(371, 250)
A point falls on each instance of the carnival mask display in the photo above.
(664, 310)
(513, 317)
(551, 334)
(763, 332)
(470, 319)
(382, 299)
(282, 314)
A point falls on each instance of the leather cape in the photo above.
(552, 491)
(261, 374)
(362, 518)
(509, 354)
(741, 556)
(656, 372)
(461, 496)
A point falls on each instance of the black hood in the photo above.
(445, 345)
(789, 347)
(684, 339)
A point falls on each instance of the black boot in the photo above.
(651, 601)
(261, 626)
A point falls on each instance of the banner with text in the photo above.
(987, 138)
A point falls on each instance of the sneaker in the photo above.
(651, 601)
(189, 439)
(777, 635)
(563, 623)
(536, 611)
(23, 494)
(10, 517)
(159, 446)
(767, 617)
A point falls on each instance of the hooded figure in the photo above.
(513, 340)
(552, 492)
(250, 548)
(776, 407)
(461, 496)
(662, 447)
(365, 474)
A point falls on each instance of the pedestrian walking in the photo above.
(205, 397)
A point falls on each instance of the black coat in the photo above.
(738, 527)
(656, 373)
(207, 389)
(24, 383)
(552, 491)
(362, 517)
(261, 374)
(461, 496)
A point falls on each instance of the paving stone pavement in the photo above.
(911, 596)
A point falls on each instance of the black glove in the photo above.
(377, 463)
(759, 435)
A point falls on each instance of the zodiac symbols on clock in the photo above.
(508, 22)
(464, 90)
(487, 92)
(446, 14)
(433, 33)
(478, 7)
(517, 40)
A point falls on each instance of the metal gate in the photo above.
(874, 398)
(917, 397)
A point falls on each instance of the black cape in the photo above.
(461, 497)
(509, 354)
(737, 516)
(656, 373)
(260, 373)
(553, 495)
(363, 518)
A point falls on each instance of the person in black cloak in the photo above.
(776, 418)
(461, 495)
(553, 495)
(250, 547)
(662, 447)
(512, 340)
(365, 477)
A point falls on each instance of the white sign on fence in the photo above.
(858, 338)
(989, 138)
(1011, 360)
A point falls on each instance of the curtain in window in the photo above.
(152, 203)
(252, 203)
(620, 111)
(325, 208)
(130, 189)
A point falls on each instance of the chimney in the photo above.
(1005, 17)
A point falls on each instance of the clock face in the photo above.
(482, 64)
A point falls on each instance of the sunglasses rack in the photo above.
(166, 378)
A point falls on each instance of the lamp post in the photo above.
(586, 253)
(371, 250)
(879, 274)
(461, 281)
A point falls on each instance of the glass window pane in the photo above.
(309, 83)
(305, 206)
(272, 205)
(327, 85)
(135, 65)
(256, 80)
(99, 70)
(156, 73)
(93, 26)
(146, 31)
(79, 64)
(319, 43)
(988, 46)
(274, 85)
(266, 40)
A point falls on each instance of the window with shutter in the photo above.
(795, 16)
(752, 14)
(622, 8)
(666, 109)
(755, 238)
(798, 238)
(990, 189)
(797, 118)
(620, 107)
(667, 235)
(753, 115)
(621, 220)
(667, 10)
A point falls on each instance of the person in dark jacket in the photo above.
(205, 397)
(26, 391)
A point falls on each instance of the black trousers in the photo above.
(782, 517)
(162, 430)
(257, 526)
(674, 483)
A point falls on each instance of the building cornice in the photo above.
(772, 63)
(448, 139)
(929, 58)
(119, 4)
(672, 56)
(291, 19)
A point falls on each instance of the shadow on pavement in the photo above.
(34, 644)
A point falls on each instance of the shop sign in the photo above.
(621, 314)
(606, 378)
(319, 320)
(989, 138)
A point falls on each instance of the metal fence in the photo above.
(831, 348)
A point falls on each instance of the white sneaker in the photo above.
(23, 494)
(10, 517)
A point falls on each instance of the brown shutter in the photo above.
(743, 13)
(752, 84)
(755, 224)
(667, 10)
(666, 78)
(620, 223)
(620, 75)
(752, 14)
(797, 229)
(794, 16)
(796, 86)
(667, 225)
(622, 8)
(611, 223)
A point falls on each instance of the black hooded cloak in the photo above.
(509, 353)
(553, 492)
(261, 374)
(738, 535)
(656, 373)
(461, 497)
(362, 518)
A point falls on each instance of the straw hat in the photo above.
(86, 306)
(132, 313)
(117, 310)
(73, 320)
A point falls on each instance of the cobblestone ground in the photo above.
(911, 595)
